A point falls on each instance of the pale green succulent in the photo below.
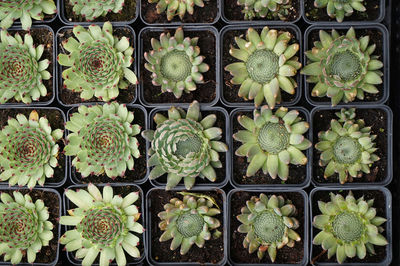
(91, 10)
(272, 141)
(349, 227)
(340, 8)
(343, 67)
(269, 225)
(175, 63)
(189, 221)
(261, 8)
(103, 225)
(24, 227)
(268, 63)
(98, 63)
(184, 145)
(102, 137)
(176, 7)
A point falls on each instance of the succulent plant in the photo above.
(343, 67)
(268, 63)
(28, 150)
(103, 140)
(184, 146)
(176, 7)
(25, 11)
(340, 8)
(269, 225)
(189, 221)
(175, 63)
(102, 224)
(272, 141)
(262, 8)
(349, 227)
(98, 63)
(24, 227)
(21, 72)
(347, 147)
(91, 10)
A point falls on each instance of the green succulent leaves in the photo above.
(343, 67)
(272, 141)
(340, 8)
(175, 63)
(267, 64)
(98, 63)
(261, 8)
(28, 150)
(24, 227)
(103, 224)
(269, 225)
(349, 227)
(91, 10)
(103, 140)
(176, 7)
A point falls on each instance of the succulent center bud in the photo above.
(262, 66)
(348, 226)
(188, 144)
(273, 138)
(269, 227)
(190, 224)
(345, 64)
(347, 150)
(176, 66)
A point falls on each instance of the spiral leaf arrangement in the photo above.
(175, 63)
(262, 8)
(103, 224)
(184, 146)
(28, 150)
(103, 140)
(340, 8)
(91, 10)
(98, 63)
(176, 7)
(24, 227)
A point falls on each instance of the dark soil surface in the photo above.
(238, 254)
(205, 93)
(213, 250)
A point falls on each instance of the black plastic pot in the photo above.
(57, 227)
(150, 204)
(205, 48)
(60, 83)
(130, 261)
(358, 192)
(386, 156)
(224, 46)
(376, 32)
(233, 120)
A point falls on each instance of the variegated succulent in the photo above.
(176, 7)
(340, 9)
(91, 10)
(261, 8)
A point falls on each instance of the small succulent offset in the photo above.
(103, 140)
(189, 221)
(349, 227)
(269, 225)
(91, 10)
(343, 67)
(272, 141)
(175, 63)
(340, 8)
(103, 224)
(176, 7)
(98, 63)
(347, 147)
(21, 71)
(28, 150)
(24, 227)
(25, 11)
(184, 145)
(262, 8)
(268, 63)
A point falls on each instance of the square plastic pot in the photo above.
(233, 118)
(383, 52)
(360, 190)
(150, 223)
(224, 51)
(189, 31)
(376, 130)
(305, 225)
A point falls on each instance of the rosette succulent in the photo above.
(269, 225)
(28, 150)
(349, 227)
(189, 221)
(176, 7)
(343, 67)
(340, 8)
(102, 138)
(347, 147)
(21, 70)
(98, 63)
(272, 141)
(184, 145)
(91, 10)
(262, 8)
(267, 64)
(175, 63)
(24, 227)
(25, 11)
(103, 223)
